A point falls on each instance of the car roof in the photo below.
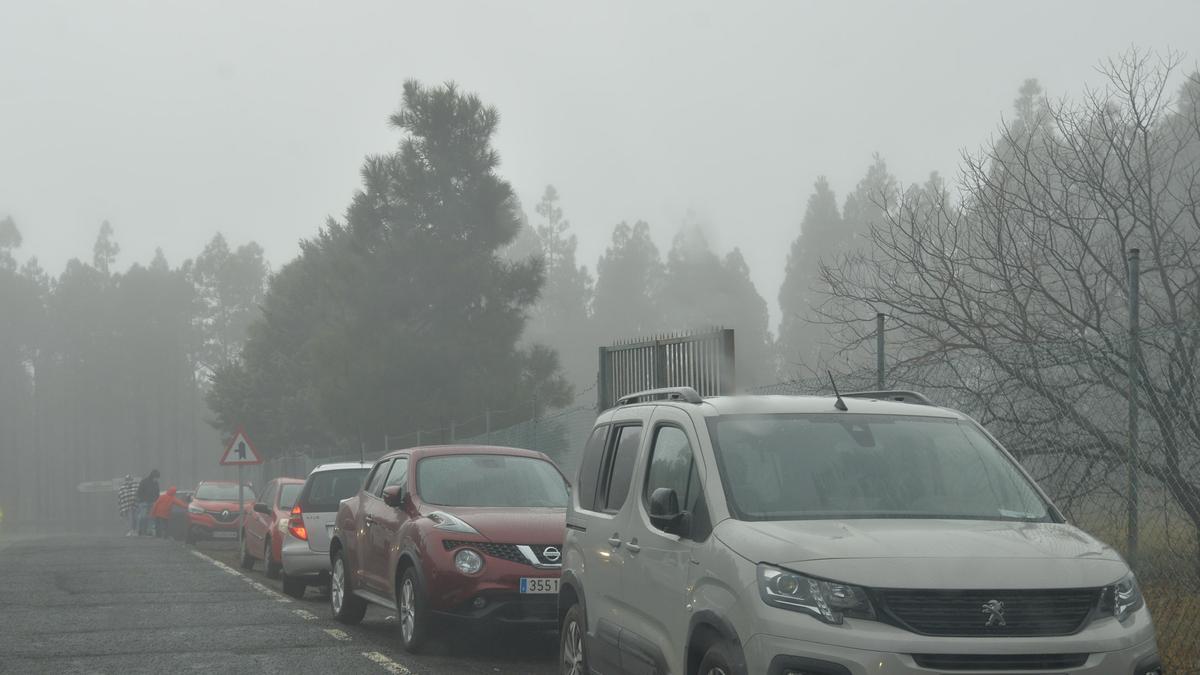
(217, 482)
(337, 466)
(443, 450)
(289, 480)
(780, 404)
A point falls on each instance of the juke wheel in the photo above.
(570, 647)
(412, 612)
(347, 607)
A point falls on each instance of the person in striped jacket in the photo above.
(126, 501)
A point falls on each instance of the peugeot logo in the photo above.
(225, 513)
(995, 611)
(551, 553)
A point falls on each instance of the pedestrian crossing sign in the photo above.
(240, 451)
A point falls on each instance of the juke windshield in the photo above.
(490, 480)
(810, 466)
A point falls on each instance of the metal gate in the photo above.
(703, 361)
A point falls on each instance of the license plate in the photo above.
(219, 534)
(538, 585)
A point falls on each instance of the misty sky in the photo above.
(174, 120)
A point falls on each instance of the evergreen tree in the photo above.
(105, 250)
(230, 285)
(561, 318)
(800, 336)
(627, 279)
(407, 314)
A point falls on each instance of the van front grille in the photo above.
(999, 661)
(1007, 613)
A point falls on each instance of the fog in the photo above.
(175, 120)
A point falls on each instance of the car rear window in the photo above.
(324, 490)
(288, 494)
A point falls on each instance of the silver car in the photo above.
(306, 543)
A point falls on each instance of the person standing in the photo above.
(161, 511)
(147, 494)
(127, 502)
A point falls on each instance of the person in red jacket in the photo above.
(161, 511)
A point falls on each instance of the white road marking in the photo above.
(387, 664)
(338, 634)
(305, 614)
(277, 597)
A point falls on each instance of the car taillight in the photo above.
(296, 524)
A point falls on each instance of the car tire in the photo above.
(294, 587)
(412, 612)
(347, 607)
(572, 655)
(247, 559)
(273, 568)
(718, 660)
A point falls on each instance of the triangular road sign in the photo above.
(240, 451)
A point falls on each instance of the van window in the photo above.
(672, 465)
(624, 456)
(589, 467)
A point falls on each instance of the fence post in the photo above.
(452, 439)
(418, 438)
(727, 381)
(487, 424)
(879, 363)
(602, 385)
(660, 364)
(1134, 366)
(385, 444)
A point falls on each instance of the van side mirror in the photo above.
(664, 510)
(393, 495)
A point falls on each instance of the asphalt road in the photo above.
(113, 604)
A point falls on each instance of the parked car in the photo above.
(213, 512)
(867, 533)
(305, 545)
(464, 532)
(266, 525)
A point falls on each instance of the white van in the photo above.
(867, 533)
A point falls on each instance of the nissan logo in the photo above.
(551, 553)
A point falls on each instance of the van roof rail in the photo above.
(668, 394)
(899, 395)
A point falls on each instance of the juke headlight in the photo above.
(468, 561)
(1123, 598)
(829, 601)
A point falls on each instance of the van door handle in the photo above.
(632, 546)
(614, 541)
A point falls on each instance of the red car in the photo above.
(465, 532)
(266, 525)
(213, 512)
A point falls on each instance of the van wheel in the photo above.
(294, 587)
(273, 568)
(571, 653)
(412, 612)
(347, 607)
(247, 559)
(717, 660)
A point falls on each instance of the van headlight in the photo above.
(829, 601)
(1123, 598)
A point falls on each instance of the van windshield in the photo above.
(490, 480)
(797, 467)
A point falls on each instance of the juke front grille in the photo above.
(1025, 613)
(508, 552)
